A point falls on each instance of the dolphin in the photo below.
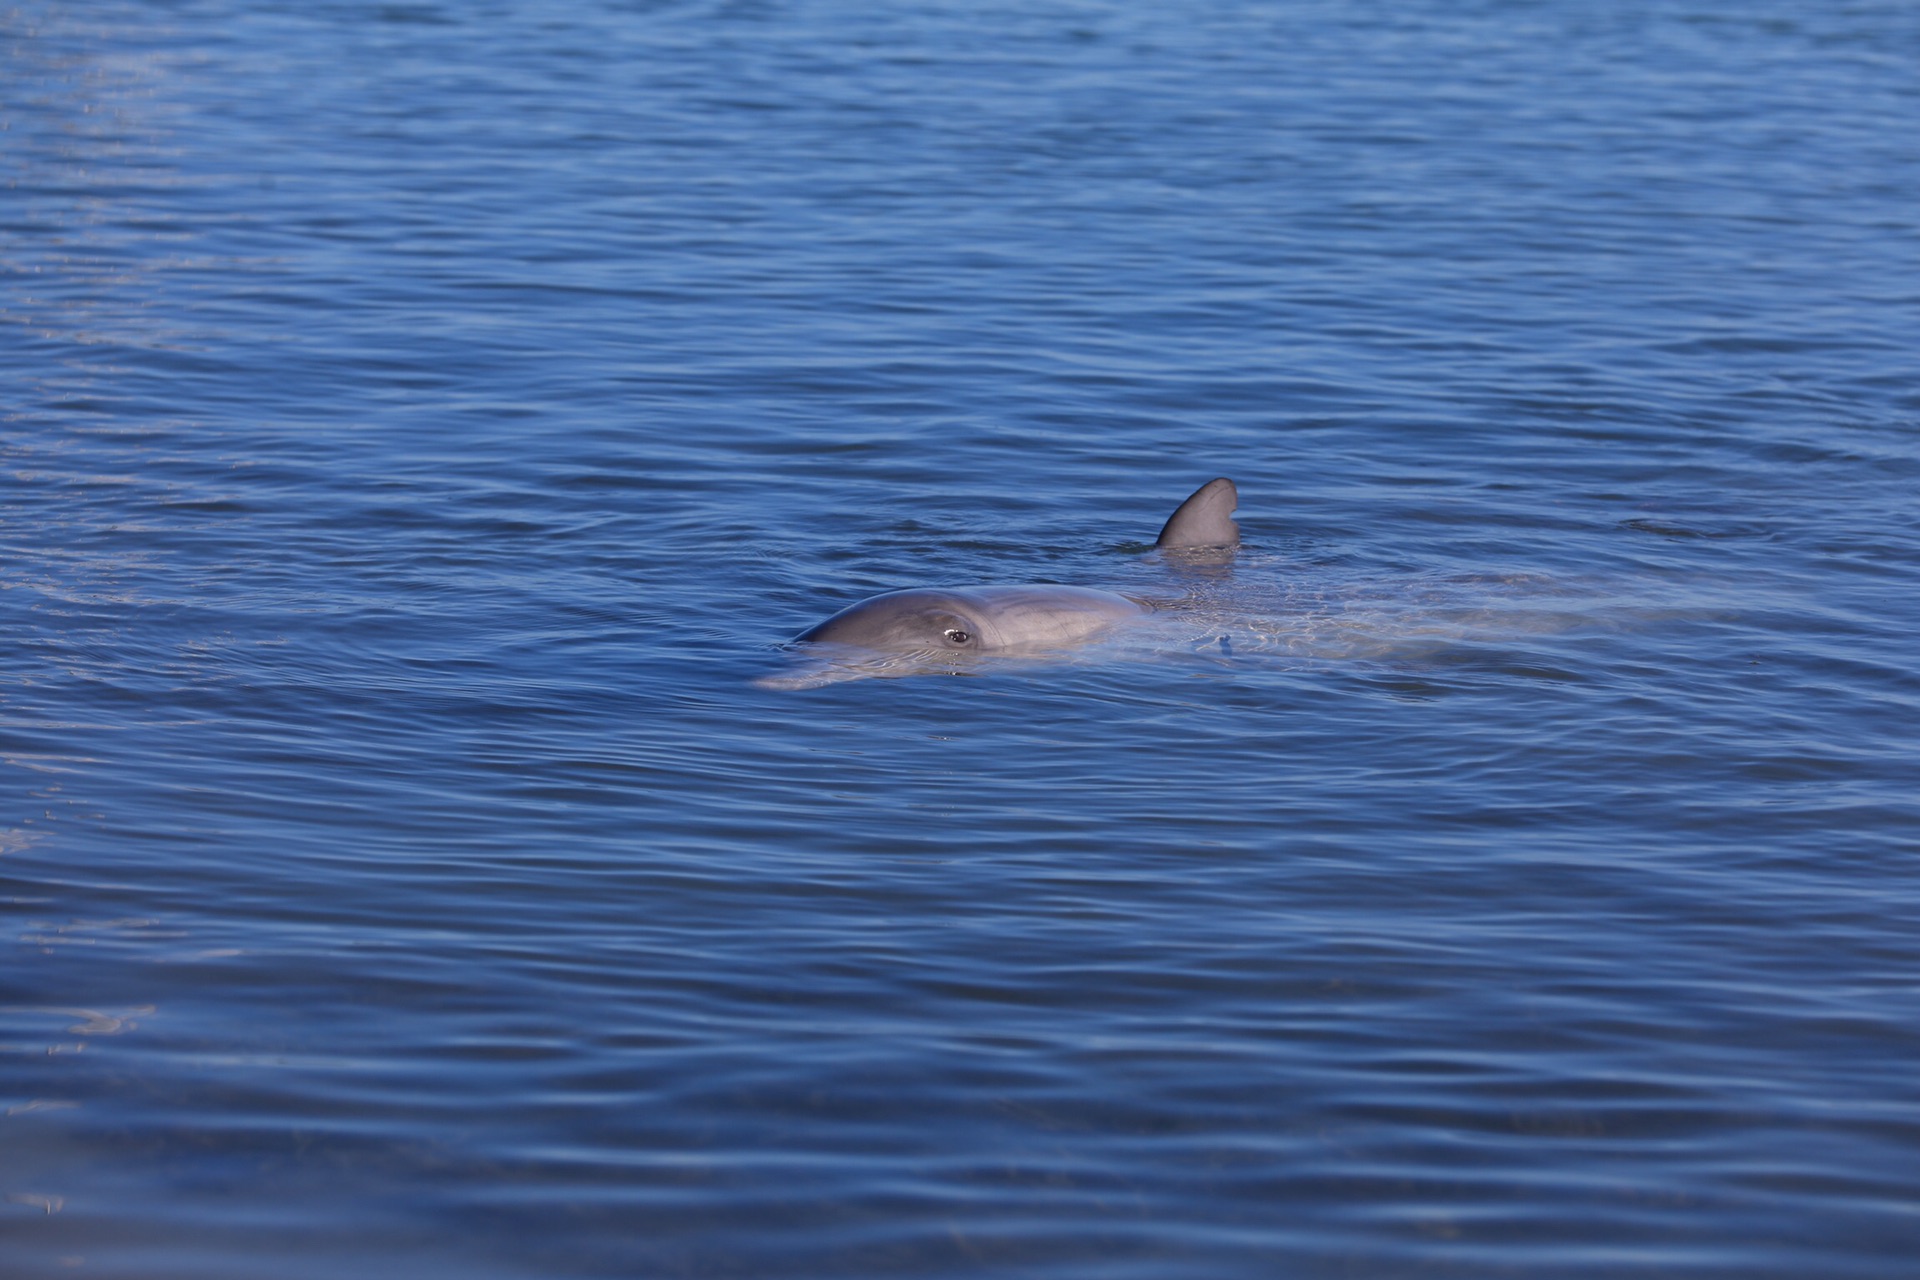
(917, 629)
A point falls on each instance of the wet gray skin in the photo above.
(877, 636)
(975, 619)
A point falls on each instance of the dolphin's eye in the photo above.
(958, 636)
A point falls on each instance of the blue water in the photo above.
(424, 422)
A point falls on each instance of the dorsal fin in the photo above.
(1205, 519)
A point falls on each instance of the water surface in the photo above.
(425, 421)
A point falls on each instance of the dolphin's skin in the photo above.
(1204, 520)
(924, 628)
(975, 619)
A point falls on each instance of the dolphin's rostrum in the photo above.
(903, 631)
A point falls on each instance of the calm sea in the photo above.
(421, 424)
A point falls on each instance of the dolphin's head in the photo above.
(928, 629)
(919, 620)
(896, 634)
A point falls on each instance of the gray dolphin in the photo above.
(916, 629)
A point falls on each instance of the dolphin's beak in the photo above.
(809, 675)
(835, 664)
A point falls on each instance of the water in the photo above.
(424, 421)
